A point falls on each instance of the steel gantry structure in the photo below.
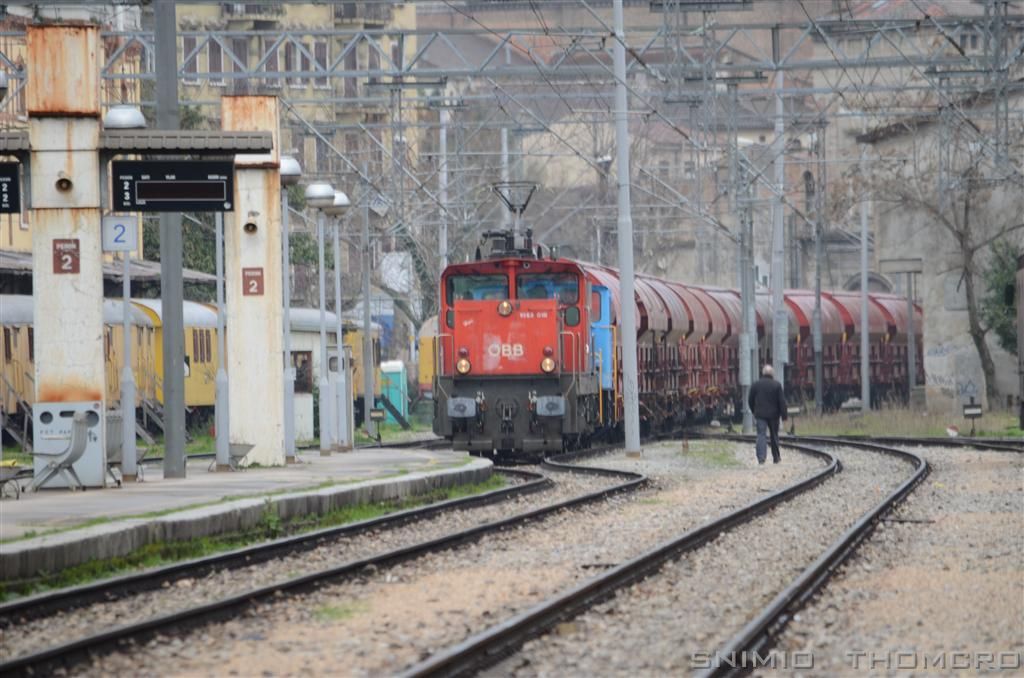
(693, 74)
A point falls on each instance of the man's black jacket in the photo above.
(766, 399)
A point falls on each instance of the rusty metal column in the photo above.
(63, 101)
(254, 280)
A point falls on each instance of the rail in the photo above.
(758, 634)
(493, 644)
(75, 652)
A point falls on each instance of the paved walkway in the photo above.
(47, 510)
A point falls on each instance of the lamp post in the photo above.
(290, 174)
(124, 117)
(342, 438)
(320, 196)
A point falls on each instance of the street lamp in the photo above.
(319, 196)
(124, 117)
(290, 174)
(343, 436)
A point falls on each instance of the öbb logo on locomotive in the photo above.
(499, 350)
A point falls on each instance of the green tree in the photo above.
(998, 311)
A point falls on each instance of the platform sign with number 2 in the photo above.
(120, 233)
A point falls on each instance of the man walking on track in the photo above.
(768, 404)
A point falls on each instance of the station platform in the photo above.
(51, 530)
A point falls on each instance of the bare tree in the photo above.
(948, 178)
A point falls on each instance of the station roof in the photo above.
(17, 309)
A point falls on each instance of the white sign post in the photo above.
(120, 234)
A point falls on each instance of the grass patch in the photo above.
(717, 453)
(270, 526)
(903, 422)
(392, 432)
(336, 613)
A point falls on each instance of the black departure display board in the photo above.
(173, 185)
(10, 188)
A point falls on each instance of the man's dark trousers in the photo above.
(771, 426)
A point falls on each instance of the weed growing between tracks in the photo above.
(893, 421)
(271, 526)
(716, 453)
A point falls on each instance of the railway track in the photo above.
(504, 639)
(71, 653)
(759, 633)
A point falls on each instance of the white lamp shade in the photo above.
(341, 201)
(320, 195)
(291, 171)
(124, 116)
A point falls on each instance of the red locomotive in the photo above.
(528, 352)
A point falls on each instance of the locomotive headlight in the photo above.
(547, 365)
(548, 351)
(505, 308)
(463, 352)
(462, 366)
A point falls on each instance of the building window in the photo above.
(31, 345)
(373, 64)
(304, 63)
(270, 65)
(215, 63)
(320, 54)
(302, 361)
(289, 61)
(324, 156)
(8, 353)
(240, 48)
(191, 65)
(351, 86)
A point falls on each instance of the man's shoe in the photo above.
(776, 460)
(760, 462)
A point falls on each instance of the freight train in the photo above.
(17, 389)
(528, 360)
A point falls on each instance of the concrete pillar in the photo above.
(252, 252)
(63, 101)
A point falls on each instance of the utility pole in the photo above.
(504, 176)
(128, 450)
(865, 358)
(819, 207)
(221, 420)
(780, 319)
(442, 194)
(368, 371)
(630, 396)
(912, 342)
(171, 285)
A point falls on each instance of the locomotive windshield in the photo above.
(564, 287)
(476, 287)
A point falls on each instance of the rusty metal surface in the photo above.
(253, 113)
(63, 70)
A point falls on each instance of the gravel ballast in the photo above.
(37, 634)
(938, 589)
(390, 619)
(675, 621)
